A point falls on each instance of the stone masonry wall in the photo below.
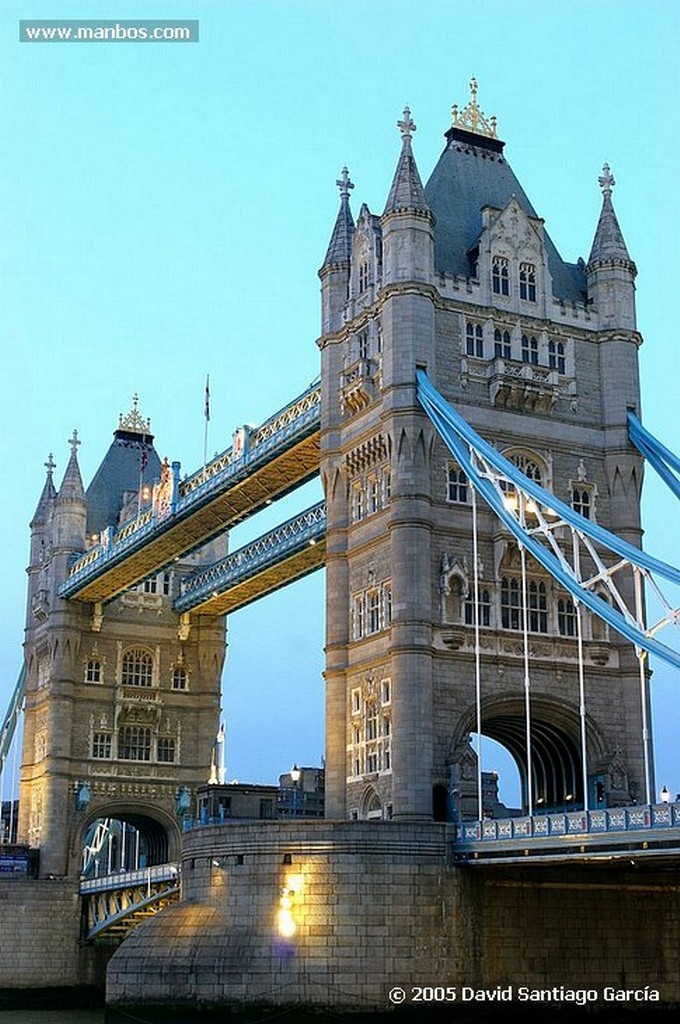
(370, 906)
(39, 935)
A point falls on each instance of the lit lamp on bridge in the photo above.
(665, 795)
(295, 777)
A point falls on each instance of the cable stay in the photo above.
(660, 458)
(538, 521)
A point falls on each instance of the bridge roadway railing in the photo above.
(113, 903)
(290, 426)
(273, 548)
(646, 826)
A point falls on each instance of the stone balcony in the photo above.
(358, 386)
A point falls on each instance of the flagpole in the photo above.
(142, 466)
(207, 421)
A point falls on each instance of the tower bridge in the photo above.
(478, 434)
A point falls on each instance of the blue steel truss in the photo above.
(12, 716)
(487, 469)
(267, 551)
(659, 457)
(295, 422)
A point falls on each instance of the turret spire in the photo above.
(407, 192)
(608, 243)
(340, 246)
(72, 484)
(47, 496)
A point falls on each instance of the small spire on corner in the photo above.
(407, 125)
(344, 183)
(606, 180)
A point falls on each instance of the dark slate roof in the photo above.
(340, 246)
(118, 473)
(608, 243)
(406, 192)
(471, 173)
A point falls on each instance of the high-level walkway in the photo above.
(272, 460)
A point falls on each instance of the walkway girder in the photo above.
(278, 457)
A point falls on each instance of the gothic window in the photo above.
(538, 607)
(484, 608)
(358, 616)
(373, 495)
(386, 481)
(371, 762)
(166, 750)
(150, 586)
(101, 745)
(373, 611)
(363, 276)
(135, 743)
(510, 603)
(530, 349)
(378, 337)
(137, 668)
(500, 275)
(528, 466)
(167, 584)
(501, 344)
(356, 701)
(456, 485)
(179, 678)
(566, 617)
(580, 502)
(93, 672)
(386, 691)
(371, 722)
(474, 340)
(556, 357)
(527, 282)
(362, 344)
(357, 502)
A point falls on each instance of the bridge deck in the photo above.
(276, 458)
(287, 553)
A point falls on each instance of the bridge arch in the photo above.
(556, 756)
(122, 835)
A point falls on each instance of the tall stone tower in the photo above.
(461, 278)
(122, 703)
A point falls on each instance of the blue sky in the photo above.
(164, 210)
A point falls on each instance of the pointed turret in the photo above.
(45, 504)
(608, 244)
(610, 271)
(335, 272)
(406, 192)
(72, 485)
(340, 246)
(407, 220)
(70, 505)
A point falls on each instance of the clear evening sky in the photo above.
(164, 209)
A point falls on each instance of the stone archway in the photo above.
(123, 837)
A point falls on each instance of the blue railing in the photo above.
(294, 535)
(609, 821)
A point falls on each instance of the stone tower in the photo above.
(461, 278)
(122, 702)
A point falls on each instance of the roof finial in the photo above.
(134, 423)
(343, 183)
(472, 118)
(74, 442)
(50, 465)
(606, 180)
(406, 126)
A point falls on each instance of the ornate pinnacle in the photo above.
(343, 183)
(74, 442)
(472, 118)
(406, 126)
(134, 422)
(606, 180)
(50, 465)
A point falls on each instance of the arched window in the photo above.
(456, 485)
(580, 502)
(93, 672)
(538, 607)
(501, 344)
(137, 668)
(500, 275)
(511, 604)
(566, 617)
(484, 608)
(179, 678)
(530, 349)
(527, 282)
(556, 358)
(134, 743)
(474, 340)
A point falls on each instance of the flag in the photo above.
(207, 398)
(145, 455)
(221, 734)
